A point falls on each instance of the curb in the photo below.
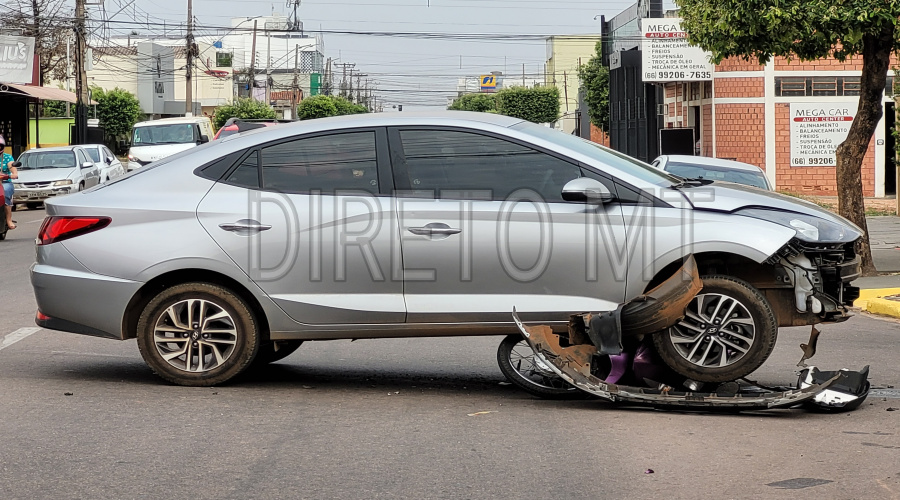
(872, 300)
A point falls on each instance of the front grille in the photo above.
(36, 184)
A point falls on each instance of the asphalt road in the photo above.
(85, 418)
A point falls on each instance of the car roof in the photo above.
(424, 118)
(54, 148)
(705, 161)
(169, 121)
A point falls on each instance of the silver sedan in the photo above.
(409, 225)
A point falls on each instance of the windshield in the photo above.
(175, 133)
(47, 159)
(94, 153)
(755, 179)
(602, 154)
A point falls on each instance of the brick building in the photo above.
(744, 113)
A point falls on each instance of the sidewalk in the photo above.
(881, 294)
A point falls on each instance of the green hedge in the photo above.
(538, 104)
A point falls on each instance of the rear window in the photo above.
(94, 153)
(755, 179)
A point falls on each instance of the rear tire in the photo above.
(197, 334)
(729, 319)
(33, 205)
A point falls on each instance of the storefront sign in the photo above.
(817, 129)
(666, 55)
(16, 59)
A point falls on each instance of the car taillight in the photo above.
(62, 228)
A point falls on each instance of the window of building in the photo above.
(695, 91)
(825, 86)
(851, 86)
(324, 163)
(223, 59)
(790, 86)
(442, 160)
(707, 90)
(819, 86)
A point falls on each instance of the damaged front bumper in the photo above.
(821, 276)
(573, 364)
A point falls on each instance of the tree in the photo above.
(808, 30)
(594, 77)
(322, 106)
(49, 22)
(475, 102)
(538, 104)
(243, 107)
(118, 111)
(345, 107)
(53, 109)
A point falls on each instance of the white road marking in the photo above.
(18, 335)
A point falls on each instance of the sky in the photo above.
(414, 72)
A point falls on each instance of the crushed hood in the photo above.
(730, 197)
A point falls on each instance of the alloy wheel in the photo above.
(195, 335)
(717, 331)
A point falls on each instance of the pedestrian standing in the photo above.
(8, 172)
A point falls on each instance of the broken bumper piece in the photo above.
(848, 392)
(573, 364)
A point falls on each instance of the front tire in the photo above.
(522, 369)
(197, 334)
(729, 330)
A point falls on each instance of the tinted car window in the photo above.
(326, 163)
(615, 159)
(442, 160)
(94, 154)
(247, 173)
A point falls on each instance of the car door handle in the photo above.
(245, 226)
(434, 229)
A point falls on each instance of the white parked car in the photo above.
(713, 169)
(156, 139)
(110, 166)
(50, 172)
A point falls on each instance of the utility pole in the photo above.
(81, 90)
(188, 92)
(268, 64)
(294, 85)
(252, 62)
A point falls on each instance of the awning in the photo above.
(42, 93)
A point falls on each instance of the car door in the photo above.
(115, 166)
(310, 220)
(484, 228)
(91, 175)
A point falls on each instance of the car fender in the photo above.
(672, 234)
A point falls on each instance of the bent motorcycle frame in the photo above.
(658, 309)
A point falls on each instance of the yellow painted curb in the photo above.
(868, 294)
(883, 306)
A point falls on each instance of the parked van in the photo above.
(156, 139)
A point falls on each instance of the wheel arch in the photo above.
(150, 289)
(760, 275)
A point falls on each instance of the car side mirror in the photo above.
(204, 139)
(15, 164)
(108, 160)
(587, 190)
(87, 164)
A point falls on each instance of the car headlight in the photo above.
(809, 228)
(17, 185)
(131, 158)
(65, 182)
